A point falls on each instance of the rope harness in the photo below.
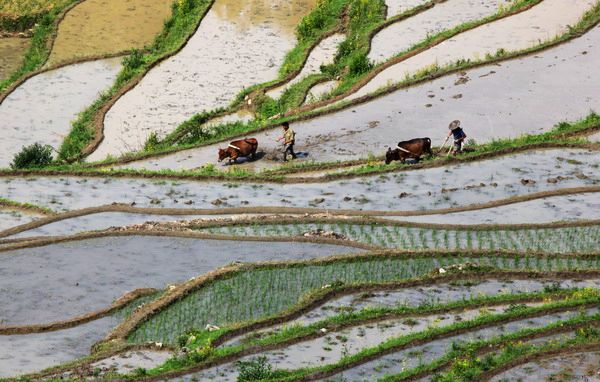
(235, 147)
(406, 151)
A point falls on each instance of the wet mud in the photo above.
(522, 96)
(42, 109)
(11, 218)
(12, 53)
(319, 91)
(69, 279)
(129, 362)
(102, 27)
(238, 44)
(401, 36)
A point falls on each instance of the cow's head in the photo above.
(223, 154)
(389, 156)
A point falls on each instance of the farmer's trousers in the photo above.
(289, 148)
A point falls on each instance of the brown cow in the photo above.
(242, 148)
(409, 149)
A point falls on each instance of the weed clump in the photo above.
(255, 370)
(35, 155)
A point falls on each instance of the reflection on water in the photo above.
(97, 27)
(12, 51)
(285, 14)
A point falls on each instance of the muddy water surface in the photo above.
(238, 44)
(319, 90)
(322, 54)
(396, 7)
(523, 96)
(400, 36)
(128, 362)
(10, 218)
(41, 109)
(12, 52)
(27, 353)
(68, 279)
(575, 367)
(541, 23)
(456, 185)
(558, 208)
(98, 27)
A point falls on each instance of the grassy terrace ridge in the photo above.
(202, 353)
(253, 292)
(231, 130)
(563, 134)
(26, 207)
(43, 35)
(185, 18)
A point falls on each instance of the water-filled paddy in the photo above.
(396, 7)
(402, 35)
(12, 52)
(426, 295)
(26, 353)
(518, 32)
(99, 27)
(331, 349)
(322, 54)
(42, 108)
(236, 46)
(574, 367)
(454, 185)
(12, 218)
(68, 279)
(557, 208)
(522, 96)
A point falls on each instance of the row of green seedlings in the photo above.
(556, 240)
(199, 347)
(266, 292)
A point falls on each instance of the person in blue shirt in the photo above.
(458, 134)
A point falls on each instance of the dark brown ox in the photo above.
(242, 148)
(415, 148)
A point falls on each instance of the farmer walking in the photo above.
(457, 133)
(289, 139)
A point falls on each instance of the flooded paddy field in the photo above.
(540, 23)
(322, 54)
(26, 353)
(267, 292)
(522, 96)
(557, 240)
(12, 52)
(558, 208)
(402, 35)
(104, 27)
(68, 279)
(419, 296)
(575, 367)
(358, 273)
(333, 346)
(42, 108)
(458, 185)
(238, 44)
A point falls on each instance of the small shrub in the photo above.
(360, 64)
(36, 155)
(134, 60)
(255, 370)
(152, 143)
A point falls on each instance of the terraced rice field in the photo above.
(161, 263)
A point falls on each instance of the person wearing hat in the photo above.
(458, 134)
(289, 139)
